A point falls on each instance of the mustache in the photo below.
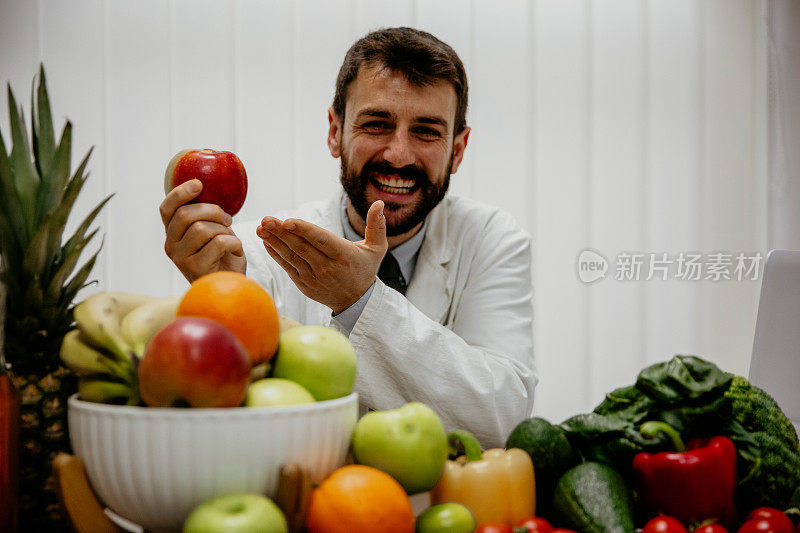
(381, 167)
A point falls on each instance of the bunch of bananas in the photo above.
(112, 331)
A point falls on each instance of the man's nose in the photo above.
(399, 153)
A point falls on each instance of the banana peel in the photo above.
(77, 499)
(293, 495)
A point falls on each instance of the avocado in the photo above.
(551, 453)
(593, 498)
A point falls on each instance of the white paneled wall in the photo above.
(620, 126)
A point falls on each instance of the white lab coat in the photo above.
(461, 338)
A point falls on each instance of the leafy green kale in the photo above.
(699, 400)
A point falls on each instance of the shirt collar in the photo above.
(406, 253)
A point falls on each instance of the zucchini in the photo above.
(593, 498)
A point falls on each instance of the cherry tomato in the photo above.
(535, 524)
(765, 525)
(780, 522)
(664, 524)
(494, 527)
(560, 530)
(710, 528)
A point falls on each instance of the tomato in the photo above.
(494, 527)
(664, 524)
(765, 525)
(535, 524)
(710, 528)
(559, 530)
(778, 519)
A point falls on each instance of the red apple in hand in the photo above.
(222, 174)
(194, 361)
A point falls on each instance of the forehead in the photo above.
(381, 88)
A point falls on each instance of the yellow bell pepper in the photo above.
(496, 485)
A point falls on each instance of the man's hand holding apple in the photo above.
(199, 238)
(325, 267)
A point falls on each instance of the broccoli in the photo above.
(769, 458)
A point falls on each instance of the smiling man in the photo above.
(434, 291)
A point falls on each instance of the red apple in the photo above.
(194, 361)
(222, 174)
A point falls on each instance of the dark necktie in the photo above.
(390, 274)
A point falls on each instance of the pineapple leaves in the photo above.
(38, 255)
(37, 194)
(9, 249)
(9, 200)
(43, 134)
(78, 281)
(78, 236)
(26, 180)
(61, 211)
(69, 260)
(52, 185)
(53, 292)
(72, 250)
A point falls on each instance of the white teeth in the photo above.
(394, 190)
(395, 182)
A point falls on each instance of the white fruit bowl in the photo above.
(154, 465)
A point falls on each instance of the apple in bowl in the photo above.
(221, 173)
(194, 362)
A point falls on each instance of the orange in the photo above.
(241, 305)
(359, 499)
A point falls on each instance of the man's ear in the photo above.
(459, 145)
(334, 133)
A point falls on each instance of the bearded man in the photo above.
(433, 291)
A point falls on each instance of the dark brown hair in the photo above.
(419, 56)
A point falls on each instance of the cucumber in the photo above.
(551, 453)
(593, 498)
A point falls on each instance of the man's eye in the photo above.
(376, 127)
(427, 133)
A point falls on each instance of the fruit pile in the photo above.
(622, 466)
(212, 347)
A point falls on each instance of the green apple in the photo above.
(236, 513)
(408, 443)
(445, 518)
(320, 359)
(276, 391)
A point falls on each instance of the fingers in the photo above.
(322, 240)
(288, 233)
(290, 270)
(178, 197)
(207, 258)
(294, 250)
(375, 232)
(188, 215)
(200, 234)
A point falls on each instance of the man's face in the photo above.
(396, 144)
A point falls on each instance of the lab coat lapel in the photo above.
(432, 285)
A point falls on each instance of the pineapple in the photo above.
(41, 277)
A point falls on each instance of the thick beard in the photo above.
(355, 186)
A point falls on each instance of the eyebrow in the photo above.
(379, 113)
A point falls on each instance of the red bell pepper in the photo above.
(691, 485)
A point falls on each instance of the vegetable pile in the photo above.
(700, 401)
(632, 447)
